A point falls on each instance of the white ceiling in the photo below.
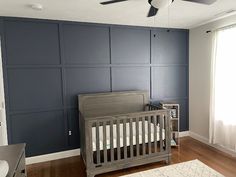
(133, 12)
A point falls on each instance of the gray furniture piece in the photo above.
(174, 120)
(15, 156)
(120, 130)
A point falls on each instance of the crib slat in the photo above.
(149, 135)
(155, 133)
(111, 141)
(124, 139)
(143, 134)
(98, 144)
(137, 136)
(131, 137)
(166, 133)
(118, 139)
(160, 132)
(104, 142)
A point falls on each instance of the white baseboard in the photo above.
(199, 138)
(183, 134)
(76, 152)
(52, 156)
(65, 154)
(206, 141)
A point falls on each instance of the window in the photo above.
(225, 76)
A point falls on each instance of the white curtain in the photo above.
(223, 89)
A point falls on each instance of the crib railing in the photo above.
(123, 137)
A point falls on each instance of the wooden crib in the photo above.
(120, 130)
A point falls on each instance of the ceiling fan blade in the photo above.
(208, 2)
(152, 11)
(112, 2)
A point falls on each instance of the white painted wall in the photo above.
(199, 75)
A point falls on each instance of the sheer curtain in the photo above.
(223, 89)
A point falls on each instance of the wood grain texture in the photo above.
(112, 103)
(189, 149)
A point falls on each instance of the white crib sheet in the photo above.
(127, 135)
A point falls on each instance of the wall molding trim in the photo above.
(52, 156)
(206, 141)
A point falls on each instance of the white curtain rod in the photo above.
(222, 28)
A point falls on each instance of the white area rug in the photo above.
(193, 168)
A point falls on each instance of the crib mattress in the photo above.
(127, 136)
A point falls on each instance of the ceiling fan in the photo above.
(158, 4)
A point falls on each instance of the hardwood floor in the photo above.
(189, 149)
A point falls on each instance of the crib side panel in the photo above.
(115, 149)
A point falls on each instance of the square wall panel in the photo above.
(43, 132)
(169, 47)
(130, 78)
(32, 43)
(85, 80)
(86, 44)
(130, 45)
(34, 88)
(169, 82)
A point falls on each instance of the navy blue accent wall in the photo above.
(48, 63)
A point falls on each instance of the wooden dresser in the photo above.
(15, 156)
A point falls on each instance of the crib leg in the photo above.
(168, 161)
(90, 175)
